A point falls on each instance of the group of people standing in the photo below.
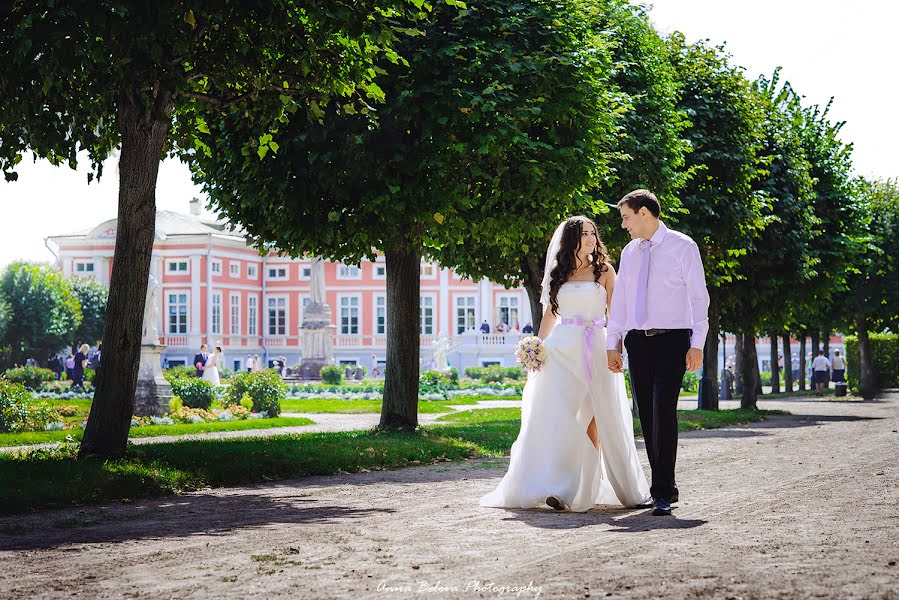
(503, 327)
(75, 364)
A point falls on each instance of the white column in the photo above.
(102, 267)
(67, 266)
(196, 300)
(444, 308)
(485, 293)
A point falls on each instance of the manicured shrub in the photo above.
(16, 414)
(454, 375)
(691, 382)
(31, 377)
(433, 378)
(66, 411)
(265, 389)
(331, 375)
(193, 391)
(14, 401)
(884, 359)
(179, 371)
(494, 373)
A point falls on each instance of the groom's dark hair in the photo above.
(638, 199)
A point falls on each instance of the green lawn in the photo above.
(54, 477)
(688, 420)
(44, 437)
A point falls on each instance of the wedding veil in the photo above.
(552, 254)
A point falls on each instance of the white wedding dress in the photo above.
(211, 370)
(553, 455)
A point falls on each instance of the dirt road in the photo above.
(805, 506)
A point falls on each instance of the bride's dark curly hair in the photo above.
(568, 261)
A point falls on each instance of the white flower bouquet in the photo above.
(531, 353)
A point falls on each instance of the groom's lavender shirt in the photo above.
(676, 297)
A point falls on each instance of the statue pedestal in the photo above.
(151, 398)
(316, 337)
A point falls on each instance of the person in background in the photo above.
(211, 369)
(95, 359)
(70, 366)
(256, 363)
(839, 367)
(248, 364)
(528, 329)
(81, 363)
(485, 327)
(821, 366)
(54, 363)
(200, 359)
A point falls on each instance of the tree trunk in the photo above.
(788, 364)
(143, 131)
(755, 366)
(867, 380)
(816, 343)
(826, 342)
(399, 409)
(708, 385)
(802, 362)
(532, 277)
(775, 365)
(738, 364)
(750, 371)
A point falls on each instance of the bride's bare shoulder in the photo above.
(608, 276)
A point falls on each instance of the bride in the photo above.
(211, 369)
(576, 445)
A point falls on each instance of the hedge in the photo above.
(884, 360)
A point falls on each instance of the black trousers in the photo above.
(657, 365)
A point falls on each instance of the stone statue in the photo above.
(317, 281)
(441, 347)
(151, 312)
(316, 332)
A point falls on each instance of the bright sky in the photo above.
(826, 48)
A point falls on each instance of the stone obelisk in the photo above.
(316, 331)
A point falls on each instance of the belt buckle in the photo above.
(652, 332)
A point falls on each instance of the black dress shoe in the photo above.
(555, 503)
(661, 507)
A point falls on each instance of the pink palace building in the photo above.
(219, 290)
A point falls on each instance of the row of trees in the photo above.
(42, 312)
(460, 133)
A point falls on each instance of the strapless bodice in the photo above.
(582, 298)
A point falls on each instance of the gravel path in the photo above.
(803, 506)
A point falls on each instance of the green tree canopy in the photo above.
(92, 76)
(645, 150)
(722, 211)
(504, 113)
(44, 311)
(92, 297)
(779, 260)
(872, 294)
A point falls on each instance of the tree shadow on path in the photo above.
(173, 517)
(764, 428)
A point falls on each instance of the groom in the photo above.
(660, 306)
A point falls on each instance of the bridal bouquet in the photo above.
(530, 353)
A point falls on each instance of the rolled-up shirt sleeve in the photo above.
(618, 311)
(698, 294)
